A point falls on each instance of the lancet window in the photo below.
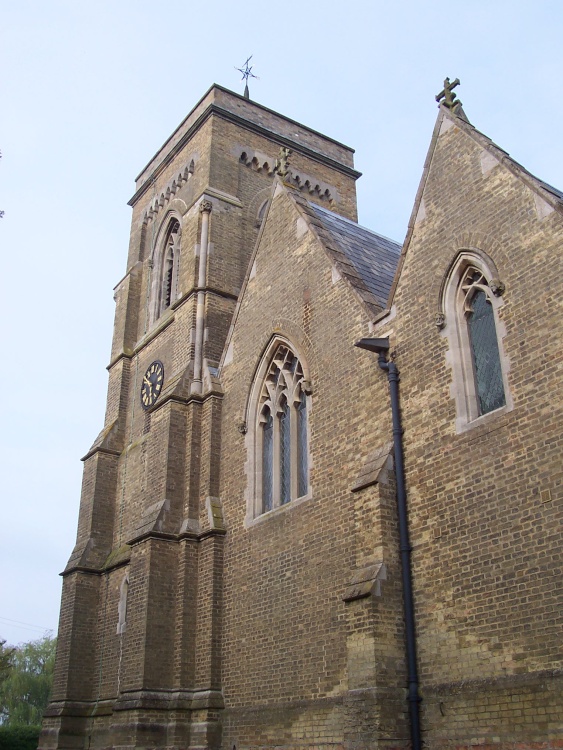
(165, 268)
(469, 318)
(261, 213)
(483, 341)
(282, 432)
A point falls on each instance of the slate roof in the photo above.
(550, 189)
(374, 257)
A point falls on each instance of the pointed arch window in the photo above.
(170, 255)
(471, 300)
(483, 342)
(166, 262)
(261, 213)
(281, 437)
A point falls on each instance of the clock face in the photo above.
(152, 384)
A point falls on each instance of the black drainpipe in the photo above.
(381, 347)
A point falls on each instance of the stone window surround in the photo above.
(452, 321)
(253, 466)
(157, 264)
(261, 213)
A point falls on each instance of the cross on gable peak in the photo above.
(447, 94)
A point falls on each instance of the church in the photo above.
(325, 508)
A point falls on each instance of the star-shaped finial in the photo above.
(247, 73)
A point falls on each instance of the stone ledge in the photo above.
(169, 700)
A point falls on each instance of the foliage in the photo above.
(19, 738)
(25, 689)
(6, 653)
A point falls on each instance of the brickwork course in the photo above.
(193, 616)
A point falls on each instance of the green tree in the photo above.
(6, 653)
(24, 692)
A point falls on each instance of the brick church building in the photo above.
(270, 552)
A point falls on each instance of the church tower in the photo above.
(238, 579)
(139, 661)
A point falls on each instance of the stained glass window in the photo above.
(470, 315)
(283, 440)
(285, 454)
(267, 462)
(485, 353)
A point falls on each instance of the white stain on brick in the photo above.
(421, 214)
(300, 227)
(543, 208)
(446, 125)
(488, 161)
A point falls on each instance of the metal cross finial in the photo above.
(448, 95)
(247, 73)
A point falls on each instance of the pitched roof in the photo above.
(366, 256)
(365, 259)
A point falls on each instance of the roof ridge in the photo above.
(354, 223)
(505, 158)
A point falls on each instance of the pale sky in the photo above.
(89, 92)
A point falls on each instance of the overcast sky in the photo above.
(89, 91)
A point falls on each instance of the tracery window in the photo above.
(469, 318)
(282, 432)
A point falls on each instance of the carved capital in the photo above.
(440, 320)
(242, 428)
(205, 207)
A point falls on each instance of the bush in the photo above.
(19, 738)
